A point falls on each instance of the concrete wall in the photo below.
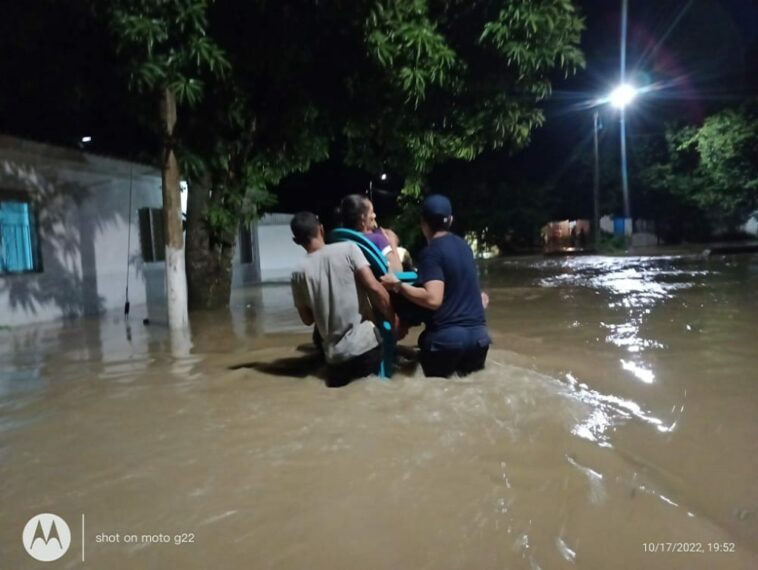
(278, 253)
(275, 255)
(751, 226)
(82, 202)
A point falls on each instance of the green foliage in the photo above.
(405, 85)
(454, 79)
(226, 144)
(224, 139)
(727, 147)
(536, 37)
(713, 168)
(406, 224)
(407, 44)
(243, 176)
(167, 45)
(611, 244)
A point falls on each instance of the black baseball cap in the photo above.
(436, 207)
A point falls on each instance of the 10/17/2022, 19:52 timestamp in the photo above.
(688, 547)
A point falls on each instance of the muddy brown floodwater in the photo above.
(615, 426)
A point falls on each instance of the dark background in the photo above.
(61, 81)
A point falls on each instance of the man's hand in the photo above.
(380, 299)
(429, 295)
(306, 315)
(485, 299)
(390, 281)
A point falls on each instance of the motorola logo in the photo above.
(46, 537)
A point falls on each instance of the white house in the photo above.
(75, 228)
(751, 225)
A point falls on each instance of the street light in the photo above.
(622, 95)
(596, 185)
(620, 98)
(383, 177)
(84, 142)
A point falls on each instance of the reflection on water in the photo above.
(646, 376)
(618, 408)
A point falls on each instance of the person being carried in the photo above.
(357, 213)
(329, 289)
(455, 339)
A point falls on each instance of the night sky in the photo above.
(696, 55)
(699, 54)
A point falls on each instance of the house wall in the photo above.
(751, 226)
(278, 253)
(82, 204)
(275, 255)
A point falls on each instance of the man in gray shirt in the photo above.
(328, 289)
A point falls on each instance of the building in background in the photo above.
(277, 253)
(75, 228)
(567, 236)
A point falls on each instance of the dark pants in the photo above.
(460, 350)
(317, 340)
(366, 364)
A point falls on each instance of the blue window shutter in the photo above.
(16, 253)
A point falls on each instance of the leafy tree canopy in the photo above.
(452, 79)
(713, 167)
(167, 45)
(387, 84)
(269, 88)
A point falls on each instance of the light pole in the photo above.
(370, 192)
(596, 186)
(620, 97)
(624, 94)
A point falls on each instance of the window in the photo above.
(18, 236)
(151, 234)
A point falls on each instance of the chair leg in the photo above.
(388, 350)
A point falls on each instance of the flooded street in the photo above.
(617, 419)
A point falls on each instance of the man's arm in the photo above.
(380, 299)
(299, 297)
(428, 296)
(306, 315)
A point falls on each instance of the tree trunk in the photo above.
(209, 262)
(176, 279)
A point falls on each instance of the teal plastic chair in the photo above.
(379, 266)
(375, 258)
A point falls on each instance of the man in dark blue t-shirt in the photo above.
(455, 338)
